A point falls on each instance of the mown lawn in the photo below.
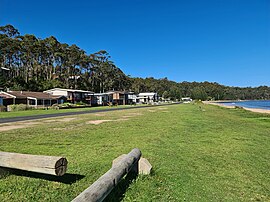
(54, 111)
(198, 154)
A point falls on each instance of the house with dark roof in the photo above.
(28, 98)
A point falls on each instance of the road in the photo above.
(44, 116)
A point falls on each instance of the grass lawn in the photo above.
(53, 111)
(208, 154)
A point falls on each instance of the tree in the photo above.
(165, 95)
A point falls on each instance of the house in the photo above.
(73, 95)
(100, 99)
(148, 97)
(6, 99)
(28, 98)
(132, 98)
(115, 97)
(186, 99)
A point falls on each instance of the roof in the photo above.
(115, 91)
(5, 95)
(29, 94)
(147, 94)
(69, 90)
(100, 94)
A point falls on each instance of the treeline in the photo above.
(31, 63)
(198, 90)
(37, 64)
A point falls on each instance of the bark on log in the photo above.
(104, 185)
(52, 165)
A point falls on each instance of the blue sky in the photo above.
(224, 41)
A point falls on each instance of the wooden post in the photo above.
(52, 165)
(105, 184)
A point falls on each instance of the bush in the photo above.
(80, 103)
(238, 107)
(20, 107)
(3, 108)
(55, 106)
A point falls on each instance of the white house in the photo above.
(100, 98)
(72, 95)
(186, 99)
(148, 97)
(132, 97)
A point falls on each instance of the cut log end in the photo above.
(52, 165)
(61, 167)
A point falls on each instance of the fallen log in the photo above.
(52, 165)
(105, 184)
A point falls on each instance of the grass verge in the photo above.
(53, 111)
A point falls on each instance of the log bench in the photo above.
(52, 165)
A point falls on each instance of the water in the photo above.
(259, 104)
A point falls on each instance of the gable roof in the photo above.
(68, 90)
(6, 95)
(27, 94)
(147, 94)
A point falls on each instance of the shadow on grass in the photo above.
(119, 191)
(66, 178)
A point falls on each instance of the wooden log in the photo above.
(104, 185)
(52, 165)
(144, 165)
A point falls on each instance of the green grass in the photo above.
(214, 154)
(53, 111)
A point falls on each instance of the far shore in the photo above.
(218, 103)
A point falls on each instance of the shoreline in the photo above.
(256, 110)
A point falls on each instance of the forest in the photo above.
(35, 64)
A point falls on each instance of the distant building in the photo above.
(148, 97)
(73, 95)
(186, 99)
(100, 99)
(132, 98)
(115, 97)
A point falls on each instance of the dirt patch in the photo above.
(134, 114)
(65, 119)
(17, 126)
(7, 128)
(162, 108)
(58, 120)
(99, 114)
(150, 110)
(24, 124)
(97, 122)
(49, 121)
(127, 116)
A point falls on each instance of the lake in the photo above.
(260, 104)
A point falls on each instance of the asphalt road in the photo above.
(44, 116)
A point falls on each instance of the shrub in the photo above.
(80, 103)
(3, 108)
(20, 107)
(55, 106)
(238, 107)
